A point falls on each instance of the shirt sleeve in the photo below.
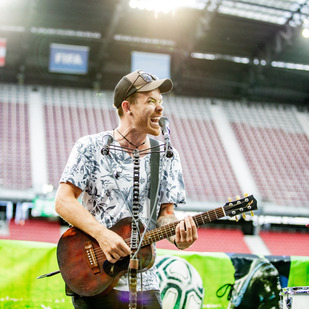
(172, 188)
(80, 164)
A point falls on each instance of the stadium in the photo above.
(238, 114)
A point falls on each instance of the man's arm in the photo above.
(186, 231)
(69, 208)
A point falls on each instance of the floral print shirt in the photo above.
(107, 185)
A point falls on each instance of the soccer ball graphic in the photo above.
(180, 284)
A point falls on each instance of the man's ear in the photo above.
(126, 106)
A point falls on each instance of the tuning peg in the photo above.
(252, 214)
(229, 199)
(244, 216)
(246, 194)
(236, 218)
(237, 197)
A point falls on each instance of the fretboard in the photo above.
(170, 229)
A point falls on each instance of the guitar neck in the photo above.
(169, 230)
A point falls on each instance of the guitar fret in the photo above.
(215, 213)
(198, 220)
(152, 237)
(203, 220)
(221, 212)
(164, 231)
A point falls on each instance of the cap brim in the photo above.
(164, 85)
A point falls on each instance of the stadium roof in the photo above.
(244, 50)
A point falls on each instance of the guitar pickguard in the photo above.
(113, 270)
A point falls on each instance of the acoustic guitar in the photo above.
(87, 272)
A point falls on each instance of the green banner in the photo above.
(21, 262)
(299, 273)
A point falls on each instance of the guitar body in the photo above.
(84, 266)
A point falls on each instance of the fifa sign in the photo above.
(70, 59)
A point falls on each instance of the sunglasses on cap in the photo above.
(147, 78)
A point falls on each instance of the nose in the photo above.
(159, 108)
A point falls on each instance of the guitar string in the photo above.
(169, 229)
(153, 235)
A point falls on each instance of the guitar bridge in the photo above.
(91, 258)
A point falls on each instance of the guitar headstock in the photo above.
(240, 206)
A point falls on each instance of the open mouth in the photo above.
(155, 120)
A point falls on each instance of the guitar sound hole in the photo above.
(112, 270)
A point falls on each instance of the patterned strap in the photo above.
(154, 178)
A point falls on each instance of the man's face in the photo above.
(147, 112)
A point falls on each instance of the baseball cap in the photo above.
(139, 81)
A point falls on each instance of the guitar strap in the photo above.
(154, 179)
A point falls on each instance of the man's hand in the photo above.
(69, 208)
(186, 233)
(113, 245)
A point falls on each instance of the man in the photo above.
(106, 182)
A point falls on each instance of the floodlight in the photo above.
(305, 33)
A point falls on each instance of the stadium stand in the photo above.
(276, 149)
(207, 172)
(15, 164)
(274, 144)
(70, 115)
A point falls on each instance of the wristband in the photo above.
(176, 244)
